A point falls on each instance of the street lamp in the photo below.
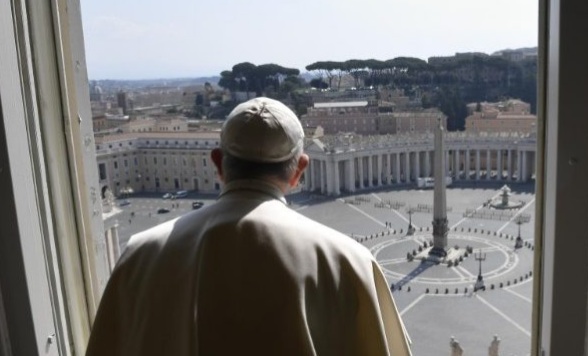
(411, 228)
(480, 281)
(520, 219)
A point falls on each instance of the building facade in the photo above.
(157, 162)
(167, 162)
(350, 163)
(504, 116)
(365, 119)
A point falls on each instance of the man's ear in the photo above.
(302, 164)
(217, 158)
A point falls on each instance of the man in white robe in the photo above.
(248, 275)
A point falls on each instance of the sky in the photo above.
(148, 39)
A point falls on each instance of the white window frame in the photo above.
(54, 244)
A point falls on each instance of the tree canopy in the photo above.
(446, 84)
(249, 77)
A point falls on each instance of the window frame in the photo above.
(560, 308)
(42, 56)
(54, 245)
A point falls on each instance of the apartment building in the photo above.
(364, 119)
(505, 116)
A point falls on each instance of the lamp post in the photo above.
(411, 228)
(480, 281)
(519, 220)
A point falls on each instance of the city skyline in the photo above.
(139, 40)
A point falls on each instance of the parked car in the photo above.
(162, 210)
(124, 203)
(181, 193)
(168, 196)
(197, 204)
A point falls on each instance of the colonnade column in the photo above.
(525, 174)
(427, 163)
(456, 166)
(329, 167)
(509, 166)
(323, 176)
(407, 167)
(477, 164)
(360, 161)
(519, 166)
(466, 166)
(312, 174)
(370, 171)
(397, 173)
(380, 170)
(417, 165)
(388, 168)
(337, 188)
(499, 165)
(351, 174)
(488, 165)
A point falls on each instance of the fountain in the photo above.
(503, 201)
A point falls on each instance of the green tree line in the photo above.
(448, 85)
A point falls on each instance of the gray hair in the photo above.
(236, 168)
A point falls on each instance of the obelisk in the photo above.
(439, 199)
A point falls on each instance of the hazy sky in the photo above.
(135, 39)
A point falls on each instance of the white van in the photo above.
(181, 193)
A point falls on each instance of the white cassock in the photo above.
(246, 276)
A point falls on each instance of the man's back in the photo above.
(246, 275)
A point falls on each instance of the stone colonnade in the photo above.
(348, 169)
